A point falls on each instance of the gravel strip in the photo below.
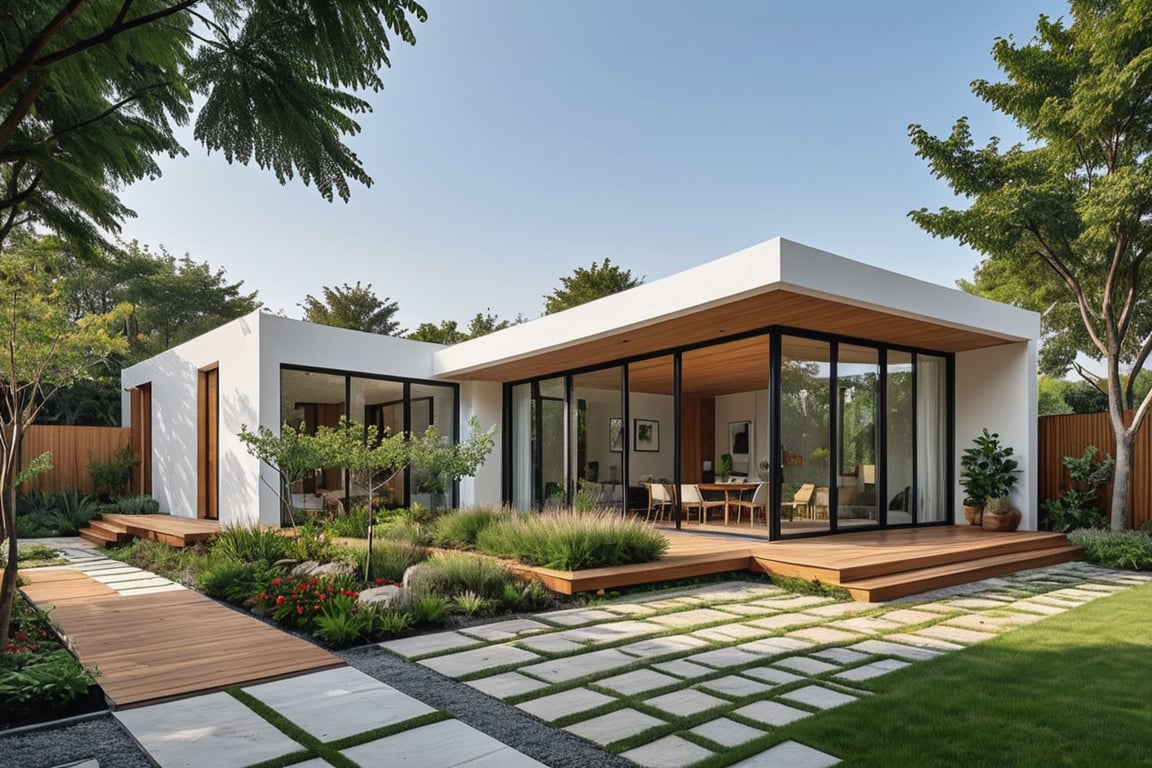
(551, 746)
(101, 739)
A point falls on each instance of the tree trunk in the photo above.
(8, 588)
(1121, 478)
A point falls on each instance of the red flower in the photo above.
(299, 609)
(280, 600)
(276, 581)
(379, 581)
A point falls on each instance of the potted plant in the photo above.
(987, 474)
(764, 469)
(724, 466)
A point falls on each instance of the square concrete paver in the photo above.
(735, 686)
(554, 643)
(868, 625)
(668, 752)
(576, 617)
(467, 662)
(573, 667)
(955, 634)
(771, 713)
(637, 682)
(794, 601)
(899, 650)
(441, 745)
(749, 609)
(693, 618)
(727, 733)
(685, 702)
(783, 621)
(613, 632)
(506, 685)
(805, 665)
(726, 632)
(566, 703)
(818, 696)
(869, 671)
(825, 635)
(439, 642)
(724, 657)
(684, 669)
(792, 754)
(840, 609)
(772, 675)
(337, 703)
(213, 731)
(922, 641)
(663, 646)
(774, 646)
(630, 609)
(840, 655)
(614, 726)
(506, 630)
(908, 616)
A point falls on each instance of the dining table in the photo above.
(730, 491)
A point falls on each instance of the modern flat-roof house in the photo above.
(849, 390)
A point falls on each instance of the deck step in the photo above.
(891, 586)
(100, 537)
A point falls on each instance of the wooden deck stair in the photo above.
(113, 530)
(878, 566)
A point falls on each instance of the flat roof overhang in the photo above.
(777, 283)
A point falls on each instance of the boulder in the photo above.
(382, 597)
(313, 568)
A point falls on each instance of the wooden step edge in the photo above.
(764, 564)
(112, 528)
(890, 587)
(950, 556)
(98, 537)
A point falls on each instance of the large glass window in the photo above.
(857, 405)
(805, 434)
(597, 436)
(932, 438)
(900, 438)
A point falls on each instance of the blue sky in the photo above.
(520, 139)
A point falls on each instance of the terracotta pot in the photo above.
(1008, 521)
(972, 514)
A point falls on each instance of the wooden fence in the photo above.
(72, 448)
(1069, 435)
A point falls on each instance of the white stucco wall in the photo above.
(484, 400)
(996, 388)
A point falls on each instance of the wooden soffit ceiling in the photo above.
(737, 363)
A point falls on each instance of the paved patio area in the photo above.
(668, 679)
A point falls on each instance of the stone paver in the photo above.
(825, 635)
(727, 632)
(505, 630)
(840, 609)
(750, 609)
(614, 726)
(921, 641)
(955, 634)
(685, 702)
(792, 754)
(818, 696)
(445, 744)
(576, 617)
(694, 618)
(774, 646)
(868, 625)
(337, 703)
(784, 621)
(507, 685)
(682, 668)
(601, 634)
(637, 682)
(841, 655)
(771, 713)
(663, 646)
(566, 703)
(724, 657)
(735, 686)
(805, 665)
(478, 660)
(772, 675)
(554, 643)
(727, 733)
(907, 616)
(212, 731)
(885, 648)
(574, 667)
(419, 645)
(668, 752)
(869, 671)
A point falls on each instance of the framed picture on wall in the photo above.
(647, 437)
(616, 435)
(740, 440)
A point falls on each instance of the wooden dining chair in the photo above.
(660, 501)
(691, 498)
(759, 501)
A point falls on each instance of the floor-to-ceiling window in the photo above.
(857, 420)
(806, 404)
(596, 433)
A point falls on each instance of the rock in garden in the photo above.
(313, 568)
(382, 597)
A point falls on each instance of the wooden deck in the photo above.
(153, 647)
(871, 565)
(112, 529)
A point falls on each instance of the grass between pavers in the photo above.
(1069, 690)
(314, 747)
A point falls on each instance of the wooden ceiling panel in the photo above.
(747, 358)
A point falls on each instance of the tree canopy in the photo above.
(1063, 221)
(449, 331)
(91, 91)
(355, 307)
(589, 283)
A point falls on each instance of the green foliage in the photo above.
(389, 558)
(253, 544)
(459, 528)
(810, 587)
(72, 511)
(586, 284)
(987, 470)
(231, 580)
(51, 679)
(135, 505)
(353, 307)
(32, 552)
(570, 540)
(352, 524)
(181, 565)
(343, 621)
(111, 478)
(471, 604)
(1131, 550)
(311, 542)
(296, 601)
(1079, 505)
(429, 609)
(450, 573)
(390, 621)
(448, 332)
(1062, 221)
(34, 469)
(293, 453)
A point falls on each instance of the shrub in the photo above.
(312, 542)
(113, 477)
(134, 505)
(460, 528)
(1079, 505)
(32, 552)
(1131, 550)
(571, 540)
(231, 580)
(51, 679)
(403, 529)
(472, 604)
(180, 565)
(73, 511)
(390, 559)
(390, 621)
(351, 524)
(429, 609)
(253, 543)
(343, 621)
(451, 573)
(296, 601)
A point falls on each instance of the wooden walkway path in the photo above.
(871, 565)
(153, 647)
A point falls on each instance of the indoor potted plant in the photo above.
(987, 474)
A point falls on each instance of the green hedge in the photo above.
(1131, 550)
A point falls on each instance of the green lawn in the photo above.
(1072, 690)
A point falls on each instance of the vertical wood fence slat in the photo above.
(1069, 435)
(71, 448)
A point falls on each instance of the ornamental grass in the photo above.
(571, 540)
